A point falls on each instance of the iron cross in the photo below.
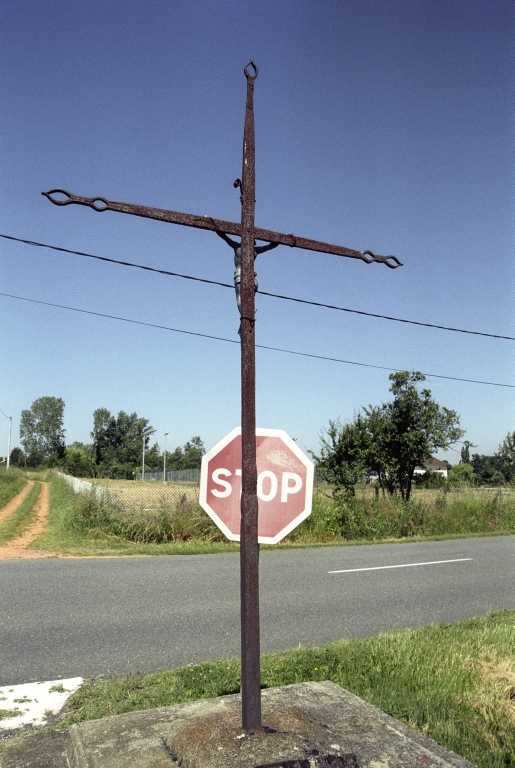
(248, 233)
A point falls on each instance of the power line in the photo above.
(117, 261)
(263, 293)
(260, 346)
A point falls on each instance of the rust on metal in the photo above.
(245, 252)
(249, 548)
(229, 227)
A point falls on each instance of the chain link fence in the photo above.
(172, 476)
(128, 496)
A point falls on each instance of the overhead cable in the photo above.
(260, 346)
(263, 293)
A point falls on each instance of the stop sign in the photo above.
(284, 484)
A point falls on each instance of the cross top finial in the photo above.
(246, 70)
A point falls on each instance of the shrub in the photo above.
(181, 521)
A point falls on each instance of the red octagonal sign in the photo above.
(284, 484)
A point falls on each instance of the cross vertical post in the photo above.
(249, 547)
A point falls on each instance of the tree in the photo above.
(77, 462)
(486, 468)
(407, 431)
(465, 451)
(506, 456)
(17, 458)
(42, 432)
(187, 457)
(118, 442)
(461, 473)
(154, 459)
(343, 455)
(391, 439)
(192, 453)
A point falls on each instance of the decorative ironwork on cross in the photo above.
(244, 254)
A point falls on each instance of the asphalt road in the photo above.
(63, 618)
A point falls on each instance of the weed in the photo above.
(168, 522)
(375, 518)
(59, 688)
(6, 714)
(11, 483)
(21, 517)
(453, 682)
(175, 524)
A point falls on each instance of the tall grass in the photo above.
(11, 483)
(364, 517)
(168, 522)
(371, 518)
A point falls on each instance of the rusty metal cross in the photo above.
(249, 547)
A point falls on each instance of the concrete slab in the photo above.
(310, 725)
(46, 749)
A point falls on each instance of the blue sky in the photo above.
(381, 126)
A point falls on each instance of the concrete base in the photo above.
(310, 725)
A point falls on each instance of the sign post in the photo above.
(249, 546)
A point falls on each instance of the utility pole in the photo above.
(248, 233)
(9, 441)
(164, 462)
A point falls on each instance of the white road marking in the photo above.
(404, 565)
(29, 702)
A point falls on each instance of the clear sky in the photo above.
(386, 126)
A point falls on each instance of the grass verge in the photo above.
(429, 514)
(21, 517)
(11, 483)
(81, 525)
(453, 682)
(66, 533)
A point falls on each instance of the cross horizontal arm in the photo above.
(218, 225)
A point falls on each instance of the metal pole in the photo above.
(9, 441)
(143, 468)
(164, 461)
(249, 548)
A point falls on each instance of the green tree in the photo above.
(193, 451)
(486, 467)
(465, 451)
(154, 459)
(461, 473)
(42, 432)
(392, 439)
(187, 457)
(77, 462)
(118, 442)
(407, 431)
(506, 456)
(17, 458)
(343, 455)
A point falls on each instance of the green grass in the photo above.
(453, 682)
(83, 526)
(67, 535)
(11, 483)
(433, 514)
(21, 517)
(6, 714)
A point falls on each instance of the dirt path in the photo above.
(9, 508)
(17, 548)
